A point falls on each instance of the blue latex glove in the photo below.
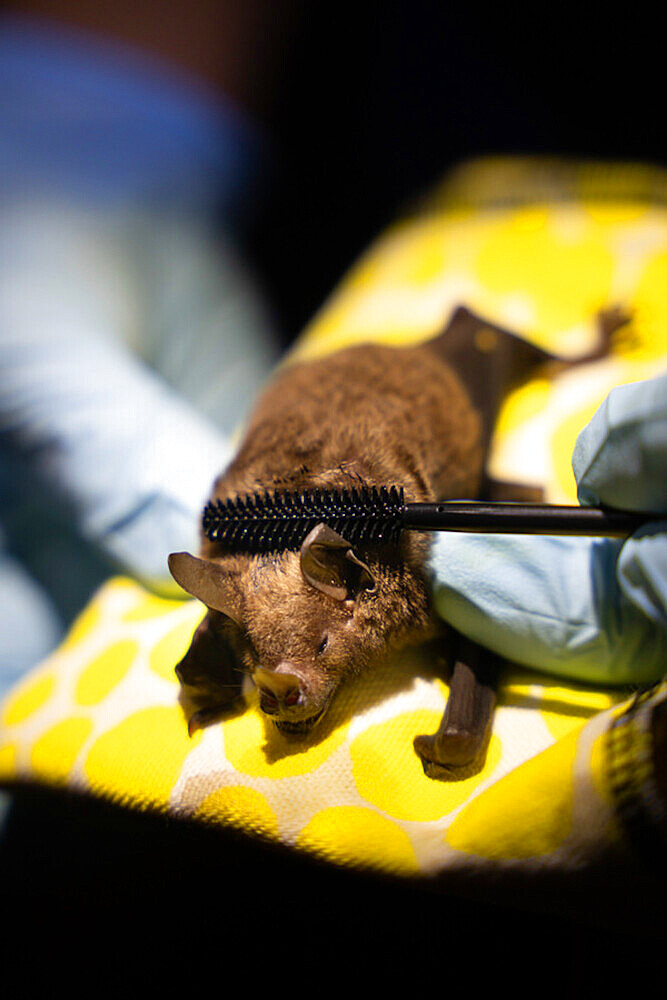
(91, 427)
(109, 172)
(593, 609)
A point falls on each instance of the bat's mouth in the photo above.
(301, 727)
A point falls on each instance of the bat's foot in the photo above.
(451, 754)
(458, 749)
(610, 321)
(613, 324)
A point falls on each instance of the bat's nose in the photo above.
(276, 687)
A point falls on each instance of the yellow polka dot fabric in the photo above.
(102, 715)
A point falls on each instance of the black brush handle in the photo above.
(523, 518)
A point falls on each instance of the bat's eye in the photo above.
(323, 645)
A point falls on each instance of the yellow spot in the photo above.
(254, 746)
(568, 281)
(241, 807)
(526, 814)
(8, 761)
(407, 256)
(355, 835)
(614, 213)
(522, 405)
(425, 260)
(172, 647)
(30, 696)
(140, 759)
(564, 708)
(530, 220)
(562, 445)
(83, 626)
(107, 670)
(151, 606)
(389, 774)
(55, 751)
(650, 305)
(517, 686)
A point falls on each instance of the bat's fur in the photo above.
(369, 414)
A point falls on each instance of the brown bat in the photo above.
(303, 623)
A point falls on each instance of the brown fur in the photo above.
(372, 415)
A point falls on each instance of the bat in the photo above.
(303, 623)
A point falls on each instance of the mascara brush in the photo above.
(273, 522)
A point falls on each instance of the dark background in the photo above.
(376, 100)
(367, 103)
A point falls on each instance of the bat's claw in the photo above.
(451, 754)
(208, 715)
(201, 719)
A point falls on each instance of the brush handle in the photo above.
(523, 518)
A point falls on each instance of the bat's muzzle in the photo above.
(278, 690)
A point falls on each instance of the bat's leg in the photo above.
(609, 322)
(459, 746)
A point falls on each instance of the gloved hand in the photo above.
(132, 339)
(592, 609)
(90, 426)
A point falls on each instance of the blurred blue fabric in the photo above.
(108, 124)
(592, 609)
(132, 336)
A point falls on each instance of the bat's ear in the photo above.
(208, 582)
(330, 564)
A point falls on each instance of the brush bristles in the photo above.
(275, 522)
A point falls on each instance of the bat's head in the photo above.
(300, 623)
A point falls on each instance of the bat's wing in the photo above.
(490, 361)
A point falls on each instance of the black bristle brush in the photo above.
(271, 522)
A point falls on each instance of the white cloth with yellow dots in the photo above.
(101, 715)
